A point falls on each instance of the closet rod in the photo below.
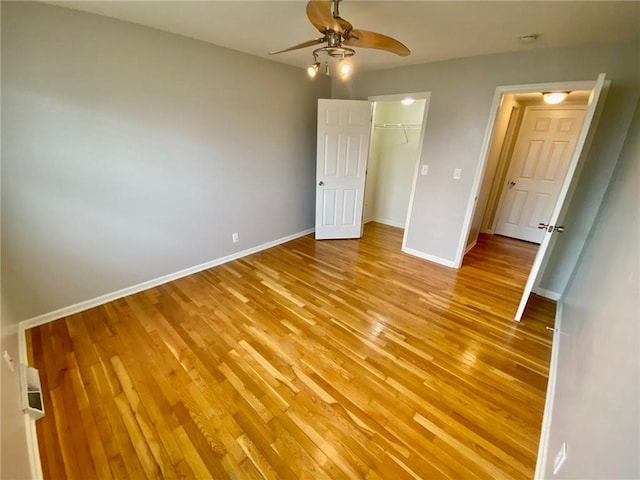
(397, 125)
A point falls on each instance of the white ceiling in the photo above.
(433, 30)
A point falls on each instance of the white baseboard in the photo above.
(431, 258)
(109, 297)
(473, 244)
(387, 222)
(30, 424)
(548, 403)
(369, 219)
(547, 294)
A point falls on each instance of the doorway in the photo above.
(553, 223)
(397, 131)
(345, 128)
(529, 156)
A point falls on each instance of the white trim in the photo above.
(548, 403)
(431, 258)
(391, 223)
(31, 434)
(369, 219)
(484, 151)
(473, 244)
(543, 292)
(109, 297)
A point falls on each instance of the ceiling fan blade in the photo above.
(365, 39)
(345, 25)
(301, 45)
(320, 15)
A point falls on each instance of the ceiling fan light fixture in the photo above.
(344, 68)
(554, 98)
(312, 71)
(339, 36)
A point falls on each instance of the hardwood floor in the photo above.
(311, 360)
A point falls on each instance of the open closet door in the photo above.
(551, 227)
(344, 129)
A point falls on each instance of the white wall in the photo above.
(393, 158)
(129, 154)
(461, 94)
(596, 408)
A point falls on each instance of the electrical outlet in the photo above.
(457, 173)
(235, 237)
(561, 456)
(424, 170)
(8, 359)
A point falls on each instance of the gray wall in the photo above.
(461, 94)
(129, 154)
(596, 408)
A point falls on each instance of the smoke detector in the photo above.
(526, 39)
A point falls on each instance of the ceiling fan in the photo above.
(339, 36)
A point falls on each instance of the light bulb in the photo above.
(553, 98)
(313, 70)
(345, 69)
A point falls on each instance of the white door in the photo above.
(551, 224)
(344, 128)
(539, 163)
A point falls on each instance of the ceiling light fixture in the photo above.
(312, 71)
(553, 98)
(338, 35)
(345, 68)
(336, 51)
(407, 101)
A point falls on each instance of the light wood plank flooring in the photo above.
(311, 360)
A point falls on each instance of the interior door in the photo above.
(551, 225)
(344, 129)
(539, 162)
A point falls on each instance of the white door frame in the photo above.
(426, 96)
(484, 151)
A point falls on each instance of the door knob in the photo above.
(321, 183)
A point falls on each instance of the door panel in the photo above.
(329, 197)
(538, 166)
(344, 128)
